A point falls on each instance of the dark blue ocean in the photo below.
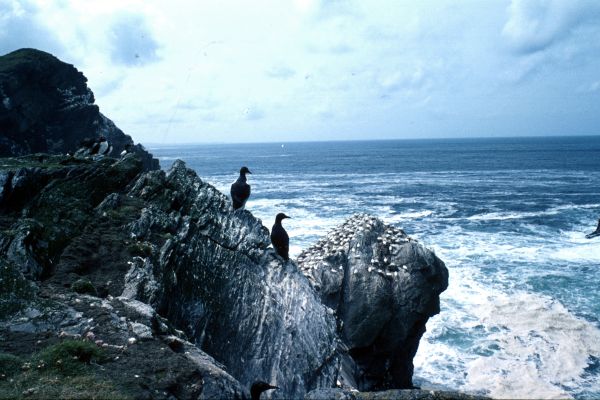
(521, 317)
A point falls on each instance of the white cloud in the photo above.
(535, 25)
(22, 25)
(280, 72)
(131, 41)
(319, 69)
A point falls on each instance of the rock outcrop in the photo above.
(383, 286)
(157, 264)
(121, 280)
(46, 107)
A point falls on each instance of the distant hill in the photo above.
(47, 107)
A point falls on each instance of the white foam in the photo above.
(543, 347)
(536, 345)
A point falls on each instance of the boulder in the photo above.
(382, 286)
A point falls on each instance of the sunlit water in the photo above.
(520, 318)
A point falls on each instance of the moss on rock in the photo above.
(84, 286)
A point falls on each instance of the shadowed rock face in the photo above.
(236, 299)
(46, 107)
(161, 257)
(383, 286)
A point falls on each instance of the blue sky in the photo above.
(279, 70)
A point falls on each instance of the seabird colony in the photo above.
(345, 243)
(339, 245)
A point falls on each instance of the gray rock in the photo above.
(181, 276)
(233, 297)
(382, 286)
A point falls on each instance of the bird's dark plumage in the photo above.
(101, 147)
(280, 238)
(240, 190)
(258, 387)
(95, 148)
(595, 233)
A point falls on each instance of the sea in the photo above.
(508, 216)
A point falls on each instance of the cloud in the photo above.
(325, 9)
(21, 25)
(406, 80)
(131, 41)
(253, 113)
(535, 25)
(280, 72)
(593, 87)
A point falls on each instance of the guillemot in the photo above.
(280, 238)
(240, 190)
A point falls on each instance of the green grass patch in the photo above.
(69, 357)
(42, 385)
(142, 249)
(66, 370)
(84, 286)
(9, 365)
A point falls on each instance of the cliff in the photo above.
(46, 107)
(159, 269)
(117, 280)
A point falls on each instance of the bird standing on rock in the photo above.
(280, 238)
(258, 387)
(240, 190)
(101, 147)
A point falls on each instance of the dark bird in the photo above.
(240, 190)
(258, 387)
(595, 233)
(280, 238)
(101, 147)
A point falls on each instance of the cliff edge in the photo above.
(121, 280)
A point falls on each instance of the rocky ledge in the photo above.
(155, 288)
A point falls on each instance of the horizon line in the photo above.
(157, 144)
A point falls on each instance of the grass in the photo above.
(15, 289)
(69, 357)
(67, 370)
(84, 286)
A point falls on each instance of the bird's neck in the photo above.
(242, 178)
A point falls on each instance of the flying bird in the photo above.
(240, 190)
(280, 238)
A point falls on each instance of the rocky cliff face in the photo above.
(383, 286)
(46, 107)
(159, 269)
(121, 280)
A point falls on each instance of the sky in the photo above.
(293, 70)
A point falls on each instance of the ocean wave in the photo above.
(521, 345)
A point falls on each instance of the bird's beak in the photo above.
(249, 172)
(273, 387)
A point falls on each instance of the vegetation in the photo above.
(67, 370)
(84, 286)
(15, 289)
